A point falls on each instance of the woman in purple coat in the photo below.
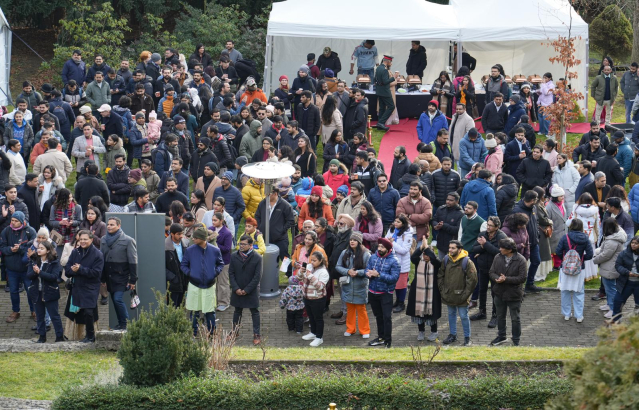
(225, 244)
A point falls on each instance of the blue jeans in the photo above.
(576, 299)
(452, 319)
(543, 124)
(535, 261)
(631, 288)
(120, 308)
(210, 321)
(14, 285)
(42, 309)
(628, 110)
(611, 290)
(369, 71)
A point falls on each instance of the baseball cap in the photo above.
(104, 107)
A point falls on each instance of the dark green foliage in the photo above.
(312, 392)
(159, 348)
(611, 33)
(606, 377)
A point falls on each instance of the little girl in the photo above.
(154, 126)
(293, 300)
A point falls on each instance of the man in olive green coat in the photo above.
(383, 81)
(604, 91)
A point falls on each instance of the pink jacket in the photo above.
(154, 129)
(494, 161)
(375, 231)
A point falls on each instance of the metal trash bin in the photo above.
(270, 282)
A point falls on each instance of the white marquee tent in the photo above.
(5, 60)
(492, 31)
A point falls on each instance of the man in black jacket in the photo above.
(417, 60)
(163, 204)
(485, 249)
(356, 117)
(329, 59)
(161, 83)
(111, 122)
(534, 171)
(279, 134)
(590, 151)
(527, 206)
(446, 180)
(118, 183)
(281, 220)
(531, 134)
(595, 130)
(240, 130)
(185, 140)
(226, 72)
(446, 223)
(202, 156)
(400, 166)
(89, 186)
(28, 195)
(308, 116)
(174, 275)
(599, 190)
(610, 166)
(140, 100)
(495, 115)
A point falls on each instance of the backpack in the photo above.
(464, 262)
(58, 111)
(571, 265)
(154, 152)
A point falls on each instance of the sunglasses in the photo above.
(341, 224)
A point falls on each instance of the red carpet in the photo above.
(577, 128)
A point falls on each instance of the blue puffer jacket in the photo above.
(471, 152)
(135, 139)
(480, 191)
(624, 157)
(388, 268)
(580, 242)
(633, 197)
(356, 291)
(234, 201)
(201, 266)
(74, 71)
(10, 237)
(515, 111)
(427, 130)
(385, 203)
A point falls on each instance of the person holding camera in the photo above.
(313, 277)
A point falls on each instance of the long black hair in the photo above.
(371, 213)
(315, 242)
(357, 254)
(315, 209)
(405, 225)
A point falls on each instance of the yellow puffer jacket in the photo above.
(253, 194)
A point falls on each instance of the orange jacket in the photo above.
(251, 95)
(305, 216)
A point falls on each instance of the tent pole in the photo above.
(267, 65)
(459, 55)
(587, 65)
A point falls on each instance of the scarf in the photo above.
(561, 207)
(424, 290)
(245, 256)
(207, 181)
(68, 232)
(174, 150)
(363, 228)
(111, 238)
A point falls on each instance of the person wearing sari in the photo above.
(424, 300)
(443, 92)
(587, 211)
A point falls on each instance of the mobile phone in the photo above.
(304, 265)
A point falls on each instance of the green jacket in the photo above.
(598, 88)
(455, 285)
(97, 96)
(382, 80)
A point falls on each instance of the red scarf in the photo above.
(363, 228)
(68, 232)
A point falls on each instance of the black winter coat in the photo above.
(113, 125)
(603, 138)
(530, 133)
(404, 186)
(199, 160)
(28, 196)
(533, 226)
(49, 276)
(584, 152)
(222, 152)
(309, 121)
(491, 119)
(506, 196)
(120, 263)
(487, 252)
(437, 299)
(332, 61)
(610, 166)
(533, 173)
(185, 144)
(282, 219)
(118, 184)
(398, 170)
(450, 230)
(516, 273)
(245, 275)
(90, 186)
(417, 62)
(9, 238)
(623, 265)
(339, 245)
(445, 184)
(356, 118)
(86, 281)
(174, 276)
(426, 179)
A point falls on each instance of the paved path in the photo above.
(542, 324)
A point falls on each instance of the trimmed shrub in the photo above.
(312, 392)
(159, 348)
(607, 376)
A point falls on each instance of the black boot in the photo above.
(42, 339)
(481, 315)
(399, 308)
(59, 339)
(396, 303)
(493, 322)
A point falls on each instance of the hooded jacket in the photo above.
(337, 180)
(480, 191)
(506, 196)
(624, 156)
(355, 119)
(471, 152)
(332, 61)
(199, 161)
(10, 237)
(252, 194)
(568, 179)
(515, 111)
(251, 142)
(456, 284)
(427, 129)
(417, 61)
(606, 255)
(389, 270)
(404, 186)
(493, 86)
(578, 241)
(74, 71)
(356, 290)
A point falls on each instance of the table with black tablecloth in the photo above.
(409, 105)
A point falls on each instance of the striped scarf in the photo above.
(424, 290)
(68, 232)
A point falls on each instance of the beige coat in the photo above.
(462, 124)
(336, 123)
(58, 160)
(208, 194)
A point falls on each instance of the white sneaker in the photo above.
(605, 308)
(222, 308)
(346, 334)
(566, 317)
(317, 342)
(309, 336)
(366, 336)
(608, 314)
(580, 319)
(433, 336)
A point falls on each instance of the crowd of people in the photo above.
(469, 213)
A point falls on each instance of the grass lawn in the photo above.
(41, 376)
(553, 278)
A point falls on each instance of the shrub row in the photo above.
(311, 392)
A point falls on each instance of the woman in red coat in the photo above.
(336, 176)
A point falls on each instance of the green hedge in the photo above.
(312, 392)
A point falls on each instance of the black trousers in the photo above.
(51, 306)
(176, 298)
(386, 107)
(88, 323)
(295, 320)
(484, 280)
(382, 306)
(315, 311)
(514, 307)
(282, 244)
(255, 317)
(422, 327)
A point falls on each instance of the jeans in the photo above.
(41, 308)
(484, 280)
(611, 290)
(535, 261)
(315, 311)
(368, 71)
(514, 307)
(382, 306)
(628, 104)
(14, 285)
(631, 288)
(543, 124)
(120, 308)
(210, 321)
(577, 302)
(452, 319)
(255, 317)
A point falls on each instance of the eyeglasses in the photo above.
(341, 224)
(244, 244)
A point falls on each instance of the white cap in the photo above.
(104, 107)
(557, 191)
(85, 109)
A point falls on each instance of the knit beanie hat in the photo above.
(155, 57)
(206, 141)
(357, 236)
(515, 98)
(213, 166)
(433, 102)
(135, 174)
(283, 77)
(557, 191)
(317, 190)
(241, 161)
(153, 115)
(19, 215)
(304, 68)
(491, 142)
(200, 233)
(343, 189)
(228, 175)
(334, 161)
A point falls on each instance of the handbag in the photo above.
(344, 280)
(547, 230)
(135, 299)
(56, 237)
(73, 308)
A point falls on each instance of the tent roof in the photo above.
(527, 20)
(356, 19)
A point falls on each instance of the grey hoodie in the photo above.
(606, 254)
(252, 142)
